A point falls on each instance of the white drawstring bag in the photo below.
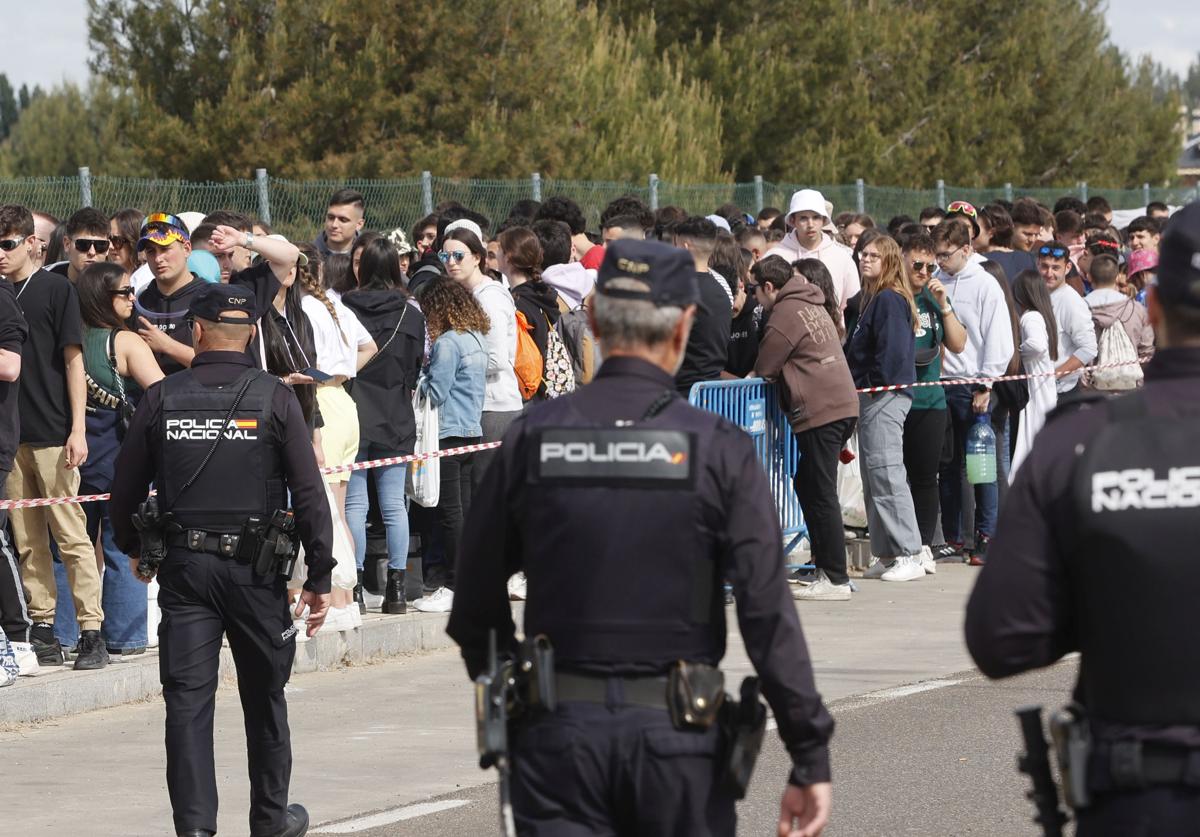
(850, 489)
(425, 475)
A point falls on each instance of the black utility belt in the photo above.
(692, 693)
(1133, 765)
(224, 545)
(647, 692)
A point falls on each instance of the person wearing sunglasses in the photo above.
(979, 304)
(53, 445)
(124, 229)
(1076, 333)
(119, 366)
(86, 242)
(925, 425)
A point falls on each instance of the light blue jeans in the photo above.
(389, 485)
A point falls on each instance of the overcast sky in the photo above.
(46, 40)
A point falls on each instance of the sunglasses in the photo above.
(85, 244)
(126, 291)
(962, 208)
(1052, 252)
(458, 256)
(923, 267)
(164, 218)
(119, 241)
(10, 244)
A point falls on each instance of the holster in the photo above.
(695, 693)
(270, 546)
(535, 691)
(152, 534)
(1073, 747)
(743, 725)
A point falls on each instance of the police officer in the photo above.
(626, 507)
(1095, 552)
(224, 442)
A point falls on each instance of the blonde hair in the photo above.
(891, 277)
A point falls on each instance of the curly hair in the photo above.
(449, 306)
(309, 277)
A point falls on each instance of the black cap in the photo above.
(667, 275)
(211, 302)
(1179, 259)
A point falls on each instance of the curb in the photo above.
(62, 692)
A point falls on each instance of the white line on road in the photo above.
(871, 698)
(408, 812)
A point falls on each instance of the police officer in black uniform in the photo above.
(626, 507)
(1096, 552)
(224, 442)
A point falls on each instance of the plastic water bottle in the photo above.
(981, 451)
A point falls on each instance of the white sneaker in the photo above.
(339, 619)
(878, 567)
(906, 568)
(9, 670)
(439, 601)
(516, 588)
(925, 559)
(26, 659)
(822, 590)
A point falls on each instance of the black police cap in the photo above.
(213, 302)
(1179, 259)
(660, 273)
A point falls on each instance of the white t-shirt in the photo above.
(335, 356)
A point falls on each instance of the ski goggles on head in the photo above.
(1054, 251)
(962, 208)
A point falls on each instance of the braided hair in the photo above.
(309, 278)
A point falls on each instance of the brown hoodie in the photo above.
(801, 351)
(1109, 306)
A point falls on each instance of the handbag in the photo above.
(1013, 394)
(124, 408)
(424, 479)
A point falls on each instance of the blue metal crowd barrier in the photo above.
(753, 405)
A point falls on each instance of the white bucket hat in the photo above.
(807, 200)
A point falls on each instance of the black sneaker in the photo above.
(90, 652)
(948, 552)
(47, 648)
(126, 652)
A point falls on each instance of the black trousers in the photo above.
(14, 613)
(924, 438)
(816, 489)
(202, 597)
(454, 502)
(1173, 810)
(591, 770)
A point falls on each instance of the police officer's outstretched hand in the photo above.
(318, 606)
(804, 811)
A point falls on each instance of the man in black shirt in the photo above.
(86, 242)
(52, 447)
(162, 308)
(708, 345)
(14, 615)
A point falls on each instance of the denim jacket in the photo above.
(454, 381)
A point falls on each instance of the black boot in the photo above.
(90, 652)
(393, 597)
(358, 594)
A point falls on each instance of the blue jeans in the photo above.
(123, 596)
(987, 497)
(393, 504)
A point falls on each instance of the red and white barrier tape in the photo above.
(335, 469)
(949, 382)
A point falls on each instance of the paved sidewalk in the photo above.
(377, 736)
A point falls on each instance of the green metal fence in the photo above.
(296, 208)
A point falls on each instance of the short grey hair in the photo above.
(628, 323)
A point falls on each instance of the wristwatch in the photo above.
(983, 388)
(949, 309)
(249, 242)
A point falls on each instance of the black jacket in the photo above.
(383, 389)
(708, 346)
(539, 303)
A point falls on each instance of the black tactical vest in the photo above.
(1135, 571)
(619, 544)
(244, 476)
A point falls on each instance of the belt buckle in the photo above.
(1125, 762)
(228, 545)
(195, 540)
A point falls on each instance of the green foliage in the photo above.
(893, 91)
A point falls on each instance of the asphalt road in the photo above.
(933, 758)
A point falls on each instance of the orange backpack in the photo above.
(528, 363)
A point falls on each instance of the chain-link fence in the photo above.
(297, 208)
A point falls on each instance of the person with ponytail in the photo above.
(383, 392)
(882, 351)
(520, 259)
(1039, 353)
